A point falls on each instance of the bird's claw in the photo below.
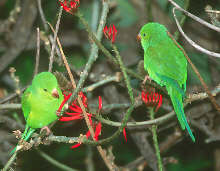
(48, 131)
(146, 78)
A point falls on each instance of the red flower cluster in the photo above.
(77, 114)
(110, 33)
(70, 6)
(152, 99)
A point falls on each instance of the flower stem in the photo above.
(128, 85)
(94, 48)
(10, 161)
(155, 141)
(54, 162)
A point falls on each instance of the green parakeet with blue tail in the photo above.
(40, 101)
(166, 64)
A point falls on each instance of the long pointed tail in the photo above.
(176, 98)
(25, 136)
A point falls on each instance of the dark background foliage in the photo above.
(18, 50)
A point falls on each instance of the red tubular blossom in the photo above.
(125, 135)
(159, 103)
(88, 134)
(75, 108)
(71, 114)
(98, 130)
(100, 103)
(70, 6)
(90, 120)
(152, 99)
(64, 101)
(114, 32)
(84, 99)
(76, 145)
(71, 118)
(75, 113)
(110, 33)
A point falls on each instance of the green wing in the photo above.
(165, 58)
(26, 102)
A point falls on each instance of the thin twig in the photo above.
(213, 11)
(11, 96)
(191, 98)
(10, 161)
(95, 14)
(94, 50)
(203, 22)
(100, 83)
(214, 15)
(38, 52)
(199, 48)
(217, 107)
(155, 141)
(55, 162)
(123, 69)
(128, 85)
(183, 19)
(64, 139)
(164, 118)
(46, 28)
(42, 15)
(10, 106)
(54, 40)
(156, 121)
(64, 59)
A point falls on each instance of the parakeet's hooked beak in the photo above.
(139, 37)
(55, 93)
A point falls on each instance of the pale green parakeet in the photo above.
(40, 101)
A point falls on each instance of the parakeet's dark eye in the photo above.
(45, 89)
(144, 34)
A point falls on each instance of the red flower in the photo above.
(152, 99)
(110, 33)
(100, 103)
(70, 6)
(76, 113)
(124, 133)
